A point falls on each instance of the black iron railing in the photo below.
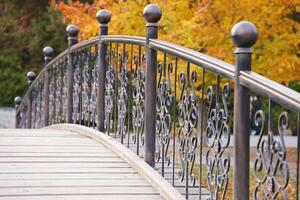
(186, 113)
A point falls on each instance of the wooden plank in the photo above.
(14, 170)
(85, 197)
(52, 148)
(61, 154)
(65, 165)
(125, 190)
(76, 182)
(67, 176)
(56, 160)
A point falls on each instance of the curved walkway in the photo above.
(74, 163)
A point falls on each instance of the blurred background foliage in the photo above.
(27, 26)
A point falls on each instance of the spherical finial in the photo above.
(48, 51)
(30, 77)
(152, 13)
(103, 16)
(72, 30)
(244, 34)
(18, 100)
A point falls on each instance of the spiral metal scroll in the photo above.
(23, 108)
(188, 120)
(77, 87)
(52, 95)
(37, 103)
(109, 91)
(271, 169)
(122, 96)
(86, 86)
(138, 96)
(217, 137)
(94, 92)
(64, 89)
(163, 116)
(58, 99)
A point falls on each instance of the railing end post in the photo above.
(244, 35)
(48, 53)
(30, 77)
(103, 16)
(152, 14)
(17, 101)
(72, 32)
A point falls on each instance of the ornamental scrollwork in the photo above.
(188, 120)
(85, 86)
(271, 169)
(122, 96)
(163, 116)
(109, 91)
(138, 96)
(77, 88)
(94, 92)
(217, 136)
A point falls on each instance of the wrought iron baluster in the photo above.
(271, 169)
(65, 88)
(163, 113)
(94, 89)
(188, 120)
(298, 157)
(86, 81)
(202, 109)
(174, 123)
(138, 96)
(122, 95)
(217, 139)
(109, 91)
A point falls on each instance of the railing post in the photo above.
(48, 53)
(30, 77)
(244, 35)
(152, 14)
(17, 104)
(103, 16)
(72, 32)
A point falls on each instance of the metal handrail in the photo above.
(207, 62)
(275, 91)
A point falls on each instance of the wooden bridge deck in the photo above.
(60, 164)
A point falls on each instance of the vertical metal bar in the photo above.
(48, 53)
(201, 131)
(152, 14)
(103, 16)
(138, 134)
(115, 123)
(122, 65)
(30, 77)
(187, 143)
(129, 98)
(244, 35)
(72, 32)
(163, 145)
(174, 126)
(298, 157)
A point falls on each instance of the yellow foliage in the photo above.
(204, 25)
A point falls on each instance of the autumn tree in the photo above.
(205, 25)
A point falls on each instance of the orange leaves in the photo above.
(205, 26)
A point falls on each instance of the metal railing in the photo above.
(173, 107)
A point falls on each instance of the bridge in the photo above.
(130, 117)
